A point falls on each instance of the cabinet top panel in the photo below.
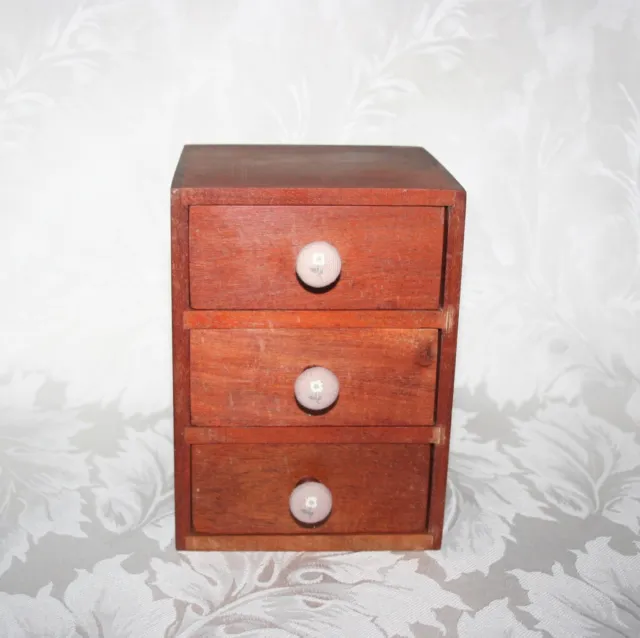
(312, 167)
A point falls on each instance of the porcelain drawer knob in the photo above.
(310, 502)
(318, 264)
(317, 388)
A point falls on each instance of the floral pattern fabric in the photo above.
(533, 105)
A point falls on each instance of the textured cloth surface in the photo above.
(532, 105)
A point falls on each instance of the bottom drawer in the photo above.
(245, 488)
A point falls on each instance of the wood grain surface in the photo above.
(245, 489)
(309, 542)
(447, 364)
(243, 257)
(314, 319)
(252, 168)
(181, 370)
(320, 434)
(292, 192)
(246, 377)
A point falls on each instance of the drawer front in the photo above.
(244, 257)
(245, 489)
(247, 377)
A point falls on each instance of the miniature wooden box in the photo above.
(315, 309)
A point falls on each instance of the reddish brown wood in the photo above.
(446, 366)
(250, 168)
(228, 196)
(376, 488)
(432, 434)
(245, 256)
(181, 372)
(220, 319)
(246, 377)
(303, 177)
(310, 542)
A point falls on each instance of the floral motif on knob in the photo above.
(318, 264)
(310, 502)
(317, 388)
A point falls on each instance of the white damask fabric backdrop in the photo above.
(533, 104)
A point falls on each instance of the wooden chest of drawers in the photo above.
(301, 274)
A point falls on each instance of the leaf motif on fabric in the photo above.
(109, 601)
(376, 594)
(602, 599)
(581, 464)
(496, 619)
(43, 616)
(41, 471)
(135, 487)
(485, 493)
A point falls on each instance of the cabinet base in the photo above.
(309, 543)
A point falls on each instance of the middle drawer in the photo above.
(246, 377)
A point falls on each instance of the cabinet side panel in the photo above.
(446, 369)
(181, 409)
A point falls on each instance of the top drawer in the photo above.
(244, 257)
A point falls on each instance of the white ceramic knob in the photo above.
(310, 502)
(317, 388)
(318, 264)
